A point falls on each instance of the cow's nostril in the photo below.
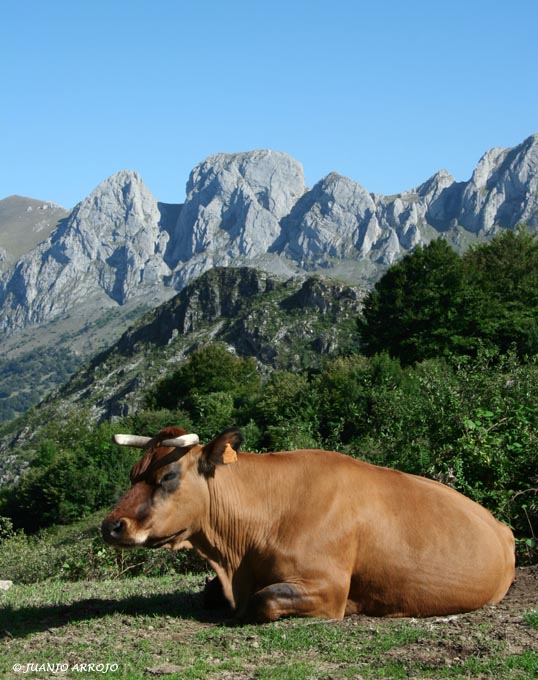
(117, 527)
(114, 528)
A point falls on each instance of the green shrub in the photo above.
(6, 529)
(75, 472)
(208, 370)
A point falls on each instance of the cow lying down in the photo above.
(312, 533)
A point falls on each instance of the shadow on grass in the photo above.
(20, 622)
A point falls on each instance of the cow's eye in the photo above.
(169, 476)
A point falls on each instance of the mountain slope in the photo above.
(289, 324)
(282, 324)
(111, 243)
(24, 223)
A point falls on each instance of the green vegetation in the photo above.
(24, 381)
(77, 552)
(435, 303)
(531, 618)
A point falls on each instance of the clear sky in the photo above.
(385, 92)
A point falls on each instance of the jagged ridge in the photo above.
(120, 252)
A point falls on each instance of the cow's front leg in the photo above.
(288, 599)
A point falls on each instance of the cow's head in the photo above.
(169, 497)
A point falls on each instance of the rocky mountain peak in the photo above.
(435, 185)
(332, 220)
(235, 202)
(503, 189)
(120, 211)
(110, 247)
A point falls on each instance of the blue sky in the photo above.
(386, 93)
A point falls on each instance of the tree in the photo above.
(414, 311)
(502, 291)
(208, 370)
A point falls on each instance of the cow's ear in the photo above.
(220, 451)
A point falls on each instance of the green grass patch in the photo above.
(531, 618)
(77, 552)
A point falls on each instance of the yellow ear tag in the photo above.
(229, 455)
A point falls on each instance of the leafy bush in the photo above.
(208, 370)
(6, 529)
(77, 470)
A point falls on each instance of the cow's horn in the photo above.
(131, 440)
(181, 442)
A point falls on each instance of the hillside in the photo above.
(290, 324)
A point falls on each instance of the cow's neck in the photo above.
(237, 522)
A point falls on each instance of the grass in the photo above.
(156, 626)
(531, 618)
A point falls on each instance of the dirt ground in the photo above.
(464, 635)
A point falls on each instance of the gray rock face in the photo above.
(503, 189)
(338, 219)
(252, 208)
(110, 248)
(218, 294)
(335, 219)
(235, 202)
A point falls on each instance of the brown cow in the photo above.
(313, 533)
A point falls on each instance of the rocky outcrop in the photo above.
(233, 209)
(235, 203)
(288, 324)
(336, 219)
(503, 189)
(218, 294)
